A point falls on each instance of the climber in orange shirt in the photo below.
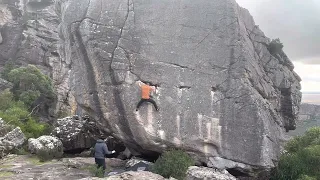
(145, 95)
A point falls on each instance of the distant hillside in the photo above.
(309, 116)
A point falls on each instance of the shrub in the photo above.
(16, 113)
(29, 83)
(49, 154)
(96, 172)
(173, 163)
(20, 151)
(302, 158)
(6, 69)
(275, 46)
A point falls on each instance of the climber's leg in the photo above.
(154, 103)
(140, 103)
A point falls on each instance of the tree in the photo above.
(16, 113)
(301, 159)
(29, 83)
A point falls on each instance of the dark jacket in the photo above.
(101, 149)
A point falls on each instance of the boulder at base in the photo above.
(204, 173)
(76, 133)
(10, 138)
(48, 144)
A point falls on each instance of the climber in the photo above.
(100, 151)
(145, 95)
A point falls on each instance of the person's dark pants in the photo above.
(101, 163)
(147, 100)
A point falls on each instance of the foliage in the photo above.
(275, 46)
(49, 154)
(20, 151)
(95, 171)
(301, 159)
(29, 83)
(6, 70)
(6, 174)
(305, 177)
(173, 163)
(17, 114)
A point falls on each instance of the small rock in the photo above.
(134, 161)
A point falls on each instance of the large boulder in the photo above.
(47, 144)
(204, 173)
(77, 133)
(10, 138)
(221, 92)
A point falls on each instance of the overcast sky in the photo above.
(297, 24)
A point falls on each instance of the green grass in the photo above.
(6, 174)
(35, 160)
(5, 166)
(94, 171)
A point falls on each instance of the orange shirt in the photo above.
(145, 89)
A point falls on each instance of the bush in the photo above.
(96, 172)
(173, 163)
(20, 151)
(302, 158)
(275, 46)
(16, 113)
(29, 83)
(6, 69)
(49, 154)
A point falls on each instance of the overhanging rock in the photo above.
(221, 93)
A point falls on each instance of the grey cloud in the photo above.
(312, 60)
(295, 22)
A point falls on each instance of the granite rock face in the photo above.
(29, 35)
(220, 91)
(221, 94)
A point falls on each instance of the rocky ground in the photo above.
(24, 167)
(28, 167)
